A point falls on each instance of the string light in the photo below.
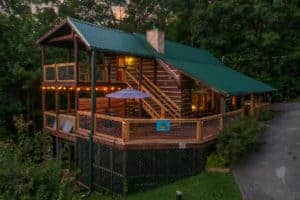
(103, 88)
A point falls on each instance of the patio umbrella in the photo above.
(128, 93)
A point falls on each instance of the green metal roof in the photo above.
(194, 62)
(220, 77)
(106, 39)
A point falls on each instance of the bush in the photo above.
(266, 115)
(235, 142)
(27, 170)
(215, 160)
(22, 180)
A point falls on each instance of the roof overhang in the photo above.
(50, 35)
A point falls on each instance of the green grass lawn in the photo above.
(206, 186)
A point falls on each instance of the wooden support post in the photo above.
(234, 102)
(109, 73)
(43, 60)
(213, 101)
(92, 129)
(89, 64)
(76, 58)
(222, 111)
(57, 108)
(203, 99)
(252, 104)
(76, 100)
(43, 106)
(43, 100)
(199, 130)
(68, 101)
(125, 131)
(243, 106)
(257, 103)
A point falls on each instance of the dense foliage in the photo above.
(27, 170)
(235, 143)
(259, 38)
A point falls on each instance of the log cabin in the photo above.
(120, 145)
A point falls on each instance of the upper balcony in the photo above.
(72, 74)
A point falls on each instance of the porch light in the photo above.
(194, 108)
(129, 60)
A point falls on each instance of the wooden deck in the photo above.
(128, 133)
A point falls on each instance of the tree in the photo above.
(258, 38)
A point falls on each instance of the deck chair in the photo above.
(67, 126)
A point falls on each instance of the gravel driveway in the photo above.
(273, 173)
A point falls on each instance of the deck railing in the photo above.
(205, 128)
(233, 116)
(128, 129)
(101, 74)
(64, 123)
(210, 127)
(67, 72)
(59, 72)
(147, 129)
(50, 120)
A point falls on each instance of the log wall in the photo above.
(102, 105)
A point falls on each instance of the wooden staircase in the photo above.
(160, 105)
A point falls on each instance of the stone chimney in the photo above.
(156, 38)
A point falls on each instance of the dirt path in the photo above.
(274, 172)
